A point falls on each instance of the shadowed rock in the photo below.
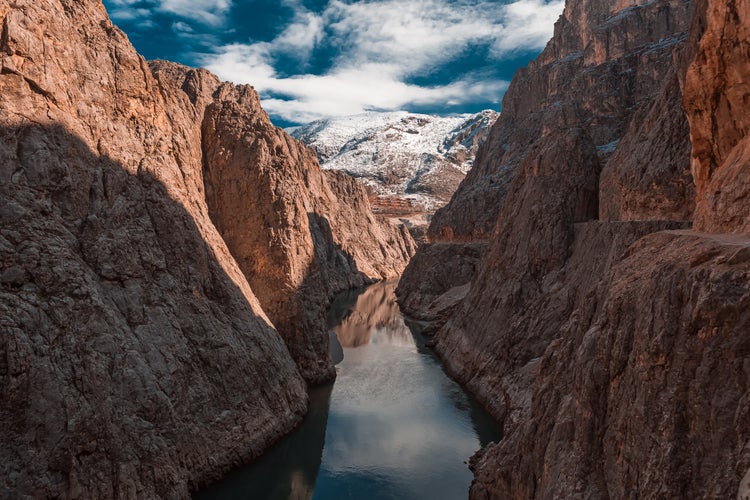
(135, 358)
(614, 353)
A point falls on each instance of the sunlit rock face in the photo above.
(303, 234)
(716, 100)
(138, 353)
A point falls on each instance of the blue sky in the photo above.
(311, 59)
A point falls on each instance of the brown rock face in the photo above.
(135, 358)
(648, 176)
(717, 97)
(646, 388)
(426, 278)
(606, 61)
(303, 234)
(614, 353)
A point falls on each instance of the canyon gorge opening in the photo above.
(169, 258)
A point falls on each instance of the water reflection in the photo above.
(372, 311)
(393, 425)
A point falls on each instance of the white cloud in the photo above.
(381, 45)
(343, 91)
(527, 23)
(181, 27)
(208, 12)
(302, 35)
(128, 13)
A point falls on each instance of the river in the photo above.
(392, 425)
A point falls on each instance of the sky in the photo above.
(313, 59)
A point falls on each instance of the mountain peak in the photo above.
(417, 157)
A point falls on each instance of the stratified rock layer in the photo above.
(616, 354)
(135, 358)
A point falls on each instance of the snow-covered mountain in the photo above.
(400, 155)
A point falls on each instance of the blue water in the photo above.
(392, 425)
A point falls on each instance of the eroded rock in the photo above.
(135, 358)
(613, 351)
(717, 96)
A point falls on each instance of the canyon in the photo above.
(167, 260)
(588, 281)
(168, 256)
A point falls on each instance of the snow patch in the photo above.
(406, 155)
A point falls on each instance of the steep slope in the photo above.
(420, 158)
(604, 62)
(608, 79)
(645, 389)
(305, 234)
(135, 358)
(716, 101)
(616, 358)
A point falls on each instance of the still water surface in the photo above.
(392, 425)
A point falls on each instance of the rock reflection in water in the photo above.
(373, 310)
(394, 426)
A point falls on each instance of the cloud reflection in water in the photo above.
(392, 426)
(395, 421)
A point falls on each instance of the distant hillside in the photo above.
(419, 158)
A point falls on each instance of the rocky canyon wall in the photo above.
(299, 234)
(717, 97)
(608, 74)
(138, 351)
(613, 350)
(605, 62)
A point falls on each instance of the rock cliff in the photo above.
(298, 233)
(606, 61)
(644, 392)
(717, 96)
(613, 351)
(136, 359)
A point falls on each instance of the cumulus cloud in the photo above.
(205, 11)
(380, 46)
(302, 34)
(527, 23)
(343, 91)
(377, 49)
